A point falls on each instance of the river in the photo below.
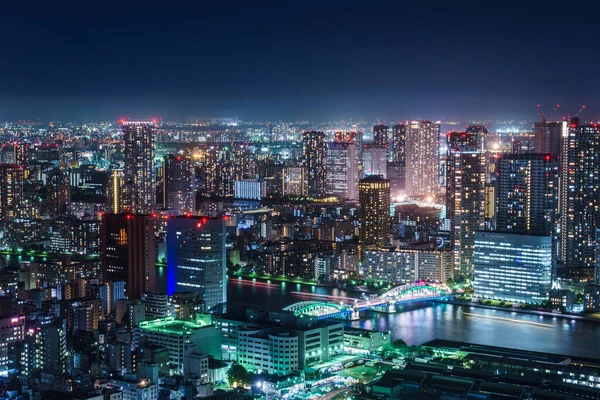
(418, 323)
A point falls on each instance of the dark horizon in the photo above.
(281, 62)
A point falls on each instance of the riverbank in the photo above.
(519, 310)
(274, 278)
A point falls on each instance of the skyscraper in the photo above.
(139, 191)
(59, 191)
(127, 242)
(422, 158)
(481, 134)
(374, 160)
(11, 191)
(579, 198)
(527, 193)
(116, 203)
(178, 184)
(398, 150)
(375, 222)
(465, 201)
(381, 135)
(547, 137)
(314, 155)
(196, 258)
(342, 170)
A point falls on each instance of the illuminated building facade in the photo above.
(579, 199)
(342, 170)
(375, 222)
(422, 163)
(138, 154)
(179, 193)
(381, 136)
(465, 197)
(127, 247)
(513, 267)
(116, 202)
(294, 181)
(196, 259)
(11, 191)
(527, 193)
(314, 154)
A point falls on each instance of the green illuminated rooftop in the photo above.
(172, 326)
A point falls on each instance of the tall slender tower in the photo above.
(465, 201)
(314, 156)
(579, 198)
(178, 184)
(139, 192)
(375, 222)
(422, 162)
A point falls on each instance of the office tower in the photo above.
(11, 191)
(59, 193)
(481, 134)
(314, 154)
(342, 170)
(547, 137)
(422, 158)
(527, 193)
(375, 223)
(374, 160)
(179, 193)
(138, 155)
(127, 243)
(513, 267)
(381, 135)
(116, 291)
(579, 200)
(115, 191)
(294, 181)
(465, 201)
(196, 259)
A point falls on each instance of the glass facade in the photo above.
(513, 267)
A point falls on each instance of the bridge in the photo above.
(385, 302)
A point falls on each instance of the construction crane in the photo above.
(583, 107)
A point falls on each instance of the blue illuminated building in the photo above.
(196, 259)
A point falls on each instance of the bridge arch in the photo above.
(316, 308)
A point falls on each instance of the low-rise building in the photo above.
(365, 342)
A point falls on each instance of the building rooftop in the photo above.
(172, 326)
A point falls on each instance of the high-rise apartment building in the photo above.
(579, 199)
(342, 170)
(422, 158)
(127, 243)
(398, 148)
(196, 258)
(138, 154)
(178, 189)
(465, 197)
(314, 155)
(527, 193)
(11, 191)
(481, 135)
(294, 181)
(375, 222)
(381, 136)
(547, 137)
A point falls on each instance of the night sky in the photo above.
(296, 59)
